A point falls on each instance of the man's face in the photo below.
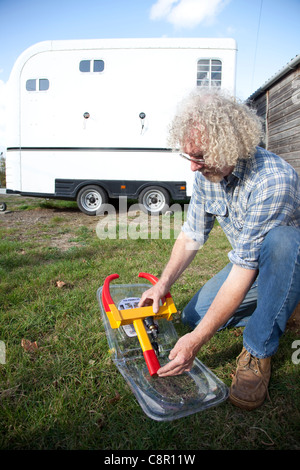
(195, 150)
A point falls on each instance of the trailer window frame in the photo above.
(37, 84)
(91, 66)
(209, 72)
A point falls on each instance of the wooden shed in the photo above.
(278, 103)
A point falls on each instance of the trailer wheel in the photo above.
(90, 199)
(2, 206)
(154, 200)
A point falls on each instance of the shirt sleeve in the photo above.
(271, 204)
(198, 223)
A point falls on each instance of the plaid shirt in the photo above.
(261, 193)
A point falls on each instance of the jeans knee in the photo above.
(190, 317)
(184, 317)
(187, 319)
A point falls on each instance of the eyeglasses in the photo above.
(190, 159)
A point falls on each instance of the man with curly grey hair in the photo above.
(255, 196)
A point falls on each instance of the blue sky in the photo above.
(267, 31)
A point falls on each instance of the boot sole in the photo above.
(245, 405)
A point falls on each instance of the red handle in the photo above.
(151, 361)
(106, 297)
(152, 279)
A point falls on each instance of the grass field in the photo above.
(59, 388)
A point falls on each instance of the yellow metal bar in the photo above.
(165, 311)
(114, 316)
(142, 335)
(124, 317)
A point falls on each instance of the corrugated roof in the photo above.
(287, 68)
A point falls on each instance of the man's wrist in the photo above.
(164, 284)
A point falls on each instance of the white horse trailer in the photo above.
(88, 120)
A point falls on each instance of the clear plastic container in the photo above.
(162, 399)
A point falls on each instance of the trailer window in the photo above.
(43, 84)
(34, 84)
(31, 85)
(85, 66)
(91, 65)
(209, 73)
(98, 65)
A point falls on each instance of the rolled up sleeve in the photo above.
(198, 223)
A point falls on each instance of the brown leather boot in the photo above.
(250, 384)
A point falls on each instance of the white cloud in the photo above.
(161, 9)
(187, 13)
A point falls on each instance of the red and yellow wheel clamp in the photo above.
(135, 316)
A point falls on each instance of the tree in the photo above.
(2, 170)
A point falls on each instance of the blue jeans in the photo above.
(270, 301)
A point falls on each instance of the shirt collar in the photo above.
(239, 169)
(237, 173)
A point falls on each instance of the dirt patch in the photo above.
(63, 242)
(48, 224)
(294, 322)
(29, 217)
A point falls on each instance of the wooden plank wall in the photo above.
(260, 104)
(279, 106)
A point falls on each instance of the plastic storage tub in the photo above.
(161, 398)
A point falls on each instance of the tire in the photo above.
(91, 199)
(2, 206)
(154, 200)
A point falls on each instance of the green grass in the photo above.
(67, 393)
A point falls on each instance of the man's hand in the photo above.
(181, 357)
(153, 296)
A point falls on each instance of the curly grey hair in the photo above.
(229, 129)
